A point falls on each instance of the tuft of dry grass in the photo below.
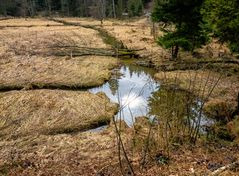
(78, 72)
(32, 112)
(63, 154)
(223, 99)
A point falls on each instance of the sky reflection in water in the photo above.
(135, 90)
(135, 86)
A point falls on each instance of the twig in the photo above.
(224, 168)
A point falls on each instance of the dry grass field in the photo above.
(138, 35)
(52, 112)
(47, 40)
(31, 56)
(86, 153)
(135, 34)
(43, 124)
(48, 119)
(25, 22)
(55, 72)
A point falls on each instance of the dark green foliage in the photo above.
(185, 15)
(223, 18)
(135, 7)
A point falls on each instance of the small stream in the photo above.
(134, 88)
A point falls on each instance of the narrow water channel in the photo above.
(134, 88)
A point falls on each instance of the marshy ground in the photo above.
(46, 110)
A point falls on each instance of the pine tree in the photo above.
(135, 7)
(223, 18)
(187, 19)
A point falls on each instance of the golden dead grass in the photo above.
(83, 153)
(138, 35)
(25, 56)
(27, 22)
(135, 34)
(80, 154)
(25, 113)
(45, 40)
(78, 72)
(106, 22)
(88, 21)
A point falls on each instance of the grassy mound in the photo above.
(51, 72)
(84, 153)
(223, 100)
(51, 112)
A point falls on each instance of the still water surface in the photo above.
(134, 88)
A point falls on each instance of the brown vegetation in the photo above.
(42, 131)
(46, 40)
(53, 72)
(25, 22)
(86, 153)
(223, 100)
(184, 158)
(52, 112)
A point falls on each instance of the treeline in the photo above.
(195, 22)
(80, 8)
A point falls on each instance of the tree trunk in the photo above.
(114, 12)
(63, 7)
(48, 6)
(238, 102)
(175, 50)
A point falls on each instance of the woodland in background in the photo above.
(79, 8)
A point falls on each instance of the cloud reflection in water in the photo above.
(134, 87)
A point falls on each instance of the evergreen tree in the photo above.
(135, 7)
(187, 19)
(120, 8)
(223, 18)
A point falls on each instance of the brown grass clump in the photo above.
(79, 72)
(84, 153)
(223, 100)
(51, 112)
(233, 128)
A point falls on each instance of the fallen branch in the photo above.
(224, 168)
(85, 51)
